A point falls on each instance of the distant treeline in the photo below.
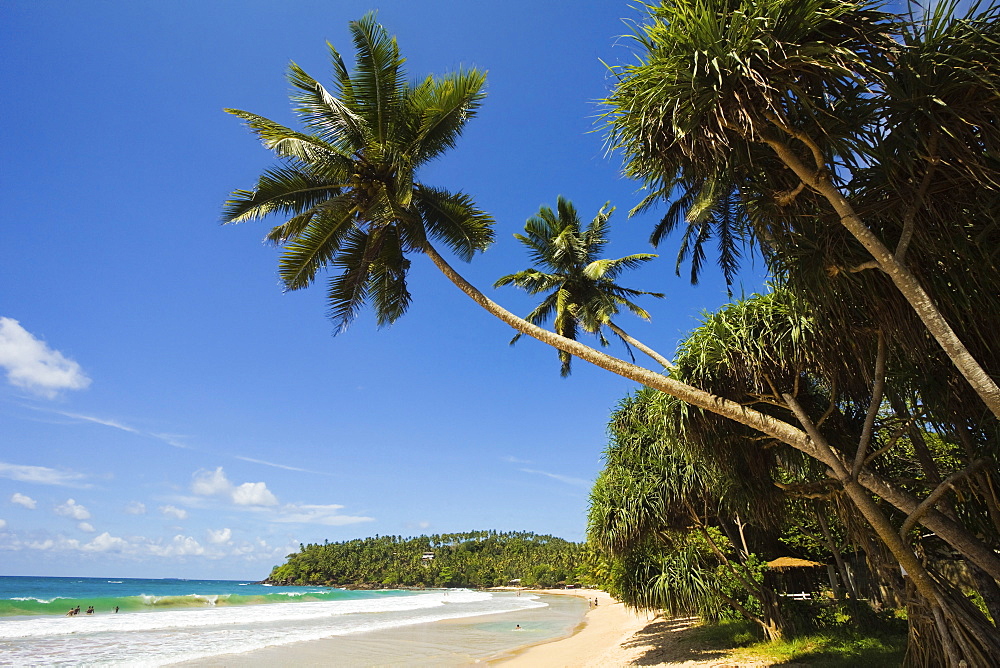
(474, 559)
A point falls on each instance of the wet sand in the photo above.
(613, 636)
(609, 636)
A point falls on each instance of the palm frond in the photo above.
(316, 245)
(279, 190)
(454, 219)
(379, 79)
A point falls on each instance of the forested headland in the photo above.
(477, 559)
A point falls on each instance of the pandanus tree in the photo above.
(768, 352)
(771, 104)
(348, 190)
(582, 293)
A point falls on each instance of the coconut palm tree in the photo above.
(582, 293)
(767, 102)
(349, 193)
(349, 183)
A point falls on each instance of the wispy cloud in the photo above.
(23, 500)
(277, 466)
(169, 439)
(514, 460)
(33, 366)
(315, 514)
(174, 511)
(561, 478)
(136, 508)
(41, 475)
(102, 421)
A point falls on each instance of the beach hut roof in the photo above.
(781, 563)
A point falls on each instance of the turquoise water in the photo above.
(160, 622)
(55, 596)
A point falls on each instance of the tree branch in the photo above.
(939, 491)
(878, 388)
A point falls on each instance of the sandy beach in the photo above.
(612, 636)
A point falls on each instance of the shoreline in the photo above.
(596, 641)
(608, 636)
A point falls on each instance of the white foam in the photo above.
(170, 636)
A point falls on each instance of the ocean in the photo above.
(161, 622)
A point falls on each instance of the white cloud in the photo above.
(41, 475)
(73, 509)
(253, 494)
(104, 543)
(211, 483)
(174, 511)
(180, 546)
(313, 514)
(32, 365)
(22, 500)
(3, 523)
(220, 537)
(86, 526)
(561, 478)
(215, 483)
(136, 508)
(515, 460)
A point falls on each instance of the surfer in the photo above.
(71, 613)
(116, 609)
(90, 610)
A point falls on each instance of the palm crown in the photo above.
(581, 285)
(347, 183)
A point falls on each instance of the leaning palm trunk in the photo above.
(635, 343)
(961, 633)
(946, 529)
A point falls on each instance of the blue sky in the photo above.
(165, 410)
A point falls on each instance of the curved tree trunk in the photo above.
(623, 335)
(904, 280)
(963, 635)
(949, 531)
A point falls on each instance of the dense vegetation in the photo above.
(478, 559)
(850, 415)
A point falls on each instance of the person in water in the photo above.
(90, 610)
(116, 609)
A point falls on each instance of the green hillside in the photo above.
(474, 559)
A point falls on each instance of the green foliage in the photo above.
(477, 559)
(581, 287)
(348, 186)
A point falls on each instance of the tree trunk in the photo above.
(664, 362)
(905, 282)
(950, 532)
(965, 635)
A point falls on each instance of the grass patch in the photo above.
(832, 648)
(841, 647)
